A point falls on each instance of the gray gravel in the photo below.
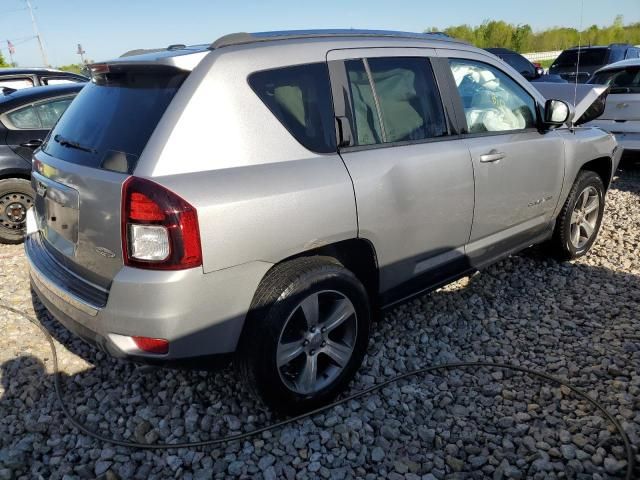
(577, 320)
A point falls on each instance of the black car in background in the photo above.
(591, 59)
(26, 116)
(531, 71)
(527, 69)
(18, 78)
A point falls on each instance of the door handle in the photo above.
(32, 143)
(492, 156)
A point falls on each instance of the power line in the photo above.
(37, 34)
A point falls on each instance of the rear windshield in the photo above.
(621, 80)
(589, 57)
(109, 123)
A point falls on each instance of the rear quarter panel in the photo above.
(260, 195)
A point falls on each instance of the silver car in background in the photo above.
(266, 195)
(622, 113)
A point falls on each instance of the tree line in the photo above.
(522, 38)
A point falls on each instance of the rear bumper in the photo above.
(200, 314)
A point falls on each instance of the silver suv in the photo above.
(267, 194)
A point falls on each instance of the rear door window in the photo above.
(398, 102)
(300, 98)
(16, 82)
(25, 118)
(111, 120)
(623, 80)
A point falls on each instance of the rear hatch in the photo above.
(579, 64)
(623, 103)
(80, 169)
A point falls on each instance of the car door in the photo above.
(28, 125)
(518, 168)
(412, 176)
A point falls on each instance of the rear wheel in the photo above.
(306, 334)
(16, 197)
(579, 221)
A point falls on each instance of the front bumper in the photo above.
(200, 314)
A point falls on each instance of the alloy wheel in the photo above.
(317, 342)
(584, 218)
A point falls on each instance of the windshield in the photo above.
(589, 57)
(621, 80)
(109, 123)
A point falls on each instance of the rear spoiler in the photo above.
(185, 59)
(589, 99)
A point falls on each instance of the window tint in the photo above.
(300, 98)
(16, 83)
(409, 100)
(113, 117)
(589, 57)
(50, 112)
(407, 95)
(366, 123)
(623, 80)
(59, 81)
(521, 65)
(25, 118)
(616, 54)
(492, 101)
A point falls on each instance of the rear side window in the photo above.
(109, 123)
(623, 80)
(17, 83)
(300, 98)
(589, 57)
(408, 101)
(41, 116)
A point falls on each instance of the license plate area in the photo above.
(57, 208)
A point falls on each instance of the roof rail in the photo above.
(243, 38)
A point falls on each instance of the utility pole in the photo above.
(37, 33)
(81, 52)
(12, 50)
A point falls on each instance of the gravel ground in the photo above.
(577, 320)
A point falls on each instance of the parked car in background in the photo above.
(529, 70)
(523, 66)
(281, 187)
(26, 116)
(591, 59)
(18, 78)
(622, 112)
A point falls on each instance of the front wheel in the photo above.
(579, 221)
(306, 334)
(16, 197)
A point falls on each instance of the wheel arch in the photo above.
(355, 254)
(603, 166)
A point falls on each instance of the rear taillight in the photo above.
(159, 229)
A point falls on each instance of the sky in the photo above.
(107, 29)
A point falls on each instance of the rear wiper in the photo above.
(71, 144)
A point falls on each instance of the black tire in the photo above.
(13, 191)
(561, 245)
(276, 299)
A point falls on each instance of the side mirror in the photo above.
(556, 113)
(539, 72)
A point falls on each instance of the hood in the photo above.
(589, 99)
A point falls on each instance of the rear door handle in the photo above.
(32, 143)
(492, 156)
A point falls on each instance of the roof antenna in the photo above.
(575, 91)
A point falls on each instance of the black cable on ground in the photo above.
(242, 436)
